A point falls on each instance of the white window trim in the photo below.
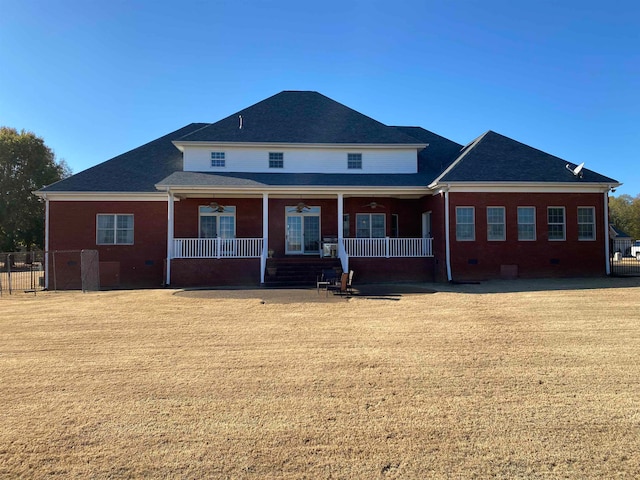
(535, 228)
(370, 215)
(349, 160)
(504, 224)
(115, 228)
(564, 224)
(220, 158)
(473, 209)
(281, 154)
(593, 224)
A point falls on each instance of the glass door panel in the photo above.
(311, 234)
(294, 234)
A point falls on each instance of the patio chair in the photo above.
(326, 278)
(340, 287)
(349, 283)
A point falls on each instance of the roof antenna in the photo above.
(240, 118)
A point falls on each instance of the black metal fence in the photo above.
(625, 266)
(22, 272)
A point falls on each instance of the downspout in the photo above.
(447, 238)
(170, 215)
(46, 242)
(607, 253)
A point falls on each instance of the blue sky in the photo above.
(96, 79)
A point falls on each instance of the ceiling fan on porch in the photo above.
(301, 207)
(373, 205)
(216, 207)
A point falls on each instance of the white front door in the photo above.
(303, 231)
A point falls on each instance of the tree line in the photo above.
(26, 164)
(624, 214)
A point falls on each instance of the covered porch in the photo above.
(222, 238)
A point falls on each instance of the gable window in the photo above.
(370, 225)
(556, 223)
(276, 160)
(495, 223)
(218, 159)
(526, 223)
(586, 223)
(220, 222)
(354, 160)
(114, 229)
(465, 224)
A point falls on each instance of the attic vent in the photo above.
(240, 120)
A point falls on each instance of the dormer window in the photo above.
(354, 160)
(276, 160)
(218, 159)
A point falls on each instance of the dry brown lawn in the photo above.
(505, 380)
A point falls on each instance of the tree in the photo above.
(624, 214)
(26, 164)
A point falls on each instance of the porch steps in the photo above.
(296, 271)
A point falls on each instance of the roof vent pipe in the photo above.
(240, 119)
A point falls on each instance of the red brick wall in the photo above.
(73, 227)
(212, 272)
(482, 259)
(372, 270)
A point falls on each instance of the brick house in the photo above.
(299, 179)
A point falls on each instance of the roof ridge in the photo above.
(465, 150)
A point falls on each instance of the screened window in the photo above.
(586, 223)
(526, 223)
(556, 223)
(114, 229)
(465, 224)
(495, 223)
(216, 223)
(276, 160)
(370, 225)
(354, 160)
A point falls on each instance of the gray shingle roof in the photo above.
(439, 154)
(135, 171)
(206, 179)
(300, 117)
(496, 158)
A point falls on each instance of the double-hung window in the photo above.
(586, 223)
(526, 223)
(114, 229)
(370, 225)
(465, 224)
(556, 223)
(495, 223)
(354, 161)
(218, 159)
(220, 222)
(276, 160)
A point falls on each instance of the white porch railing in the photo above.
(388, 247)
(217, 247)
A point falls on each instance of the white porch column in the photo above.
(170, 213)
(265, 235)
